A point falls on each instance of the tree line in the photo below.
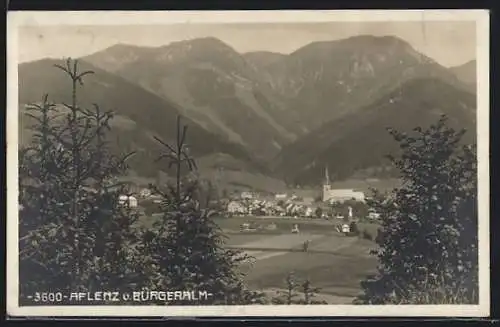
(75, 234)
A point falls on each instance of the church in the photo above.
(339, 195)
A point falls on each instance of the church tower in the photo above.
(326, 186)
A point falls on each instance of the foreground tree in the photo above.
(428, 242)
(294, 288)
(74, 233)
(289, 296)
(186, 244)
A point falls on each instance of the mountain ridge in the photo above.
(466, 72)
(140, 114)
(286, 95)
(423, 100)
(267, 104)
(214, 85)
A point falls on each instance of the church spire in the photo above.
(327, 177)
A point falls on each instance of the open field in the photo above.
(334, 263)
(282, 224)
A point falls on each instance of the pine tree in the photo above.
(74, 235)
(186, 244)
(289, 296)
(428, 241)
(38, 202)
(310, 293)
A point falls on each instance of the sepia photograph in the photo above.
(286, 163)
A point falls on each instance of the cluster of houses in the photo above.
(132, 200)
(270, 207)
(282, 205)
(278, 205)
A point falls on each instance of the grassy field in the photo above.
(334, 263)
(282, 223)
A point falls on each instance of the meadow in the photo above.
(334, 263)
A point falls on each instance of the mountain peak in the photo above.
(202, 42)
(117, 56)
(120, 47)
(360, 43)
(470, 63)
(384, 40)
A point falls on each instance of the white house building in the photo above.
(281, 196)
(235, 207)
(129, 200)
(145, 193)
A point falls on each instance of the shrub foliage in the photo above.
(428, 250)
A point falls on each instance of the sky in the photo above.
(450, 43)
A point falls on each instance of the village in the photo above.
(327, 203)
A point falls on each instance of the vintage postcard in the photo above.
(248, 163)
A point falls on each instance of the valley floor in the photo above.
(334, 263)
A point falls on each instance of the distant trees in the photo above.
(73, 233)
(428, 250)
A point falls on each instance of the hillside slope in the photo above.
(287, 96)
(212, 84)
(140, 115)
(466, 72)
(360, 140)
(323, 81)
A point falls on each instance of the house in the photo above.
(373, 215)
(342, 195)
(235, 207)
(281, 196)
(145, 193)
(246, 195)
(128, 200)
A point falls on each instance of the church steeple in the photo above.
(326, 186)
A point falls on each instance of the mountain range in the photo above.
(139, 116)
(281, 115)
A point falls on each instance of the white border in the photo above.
(16, 19)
